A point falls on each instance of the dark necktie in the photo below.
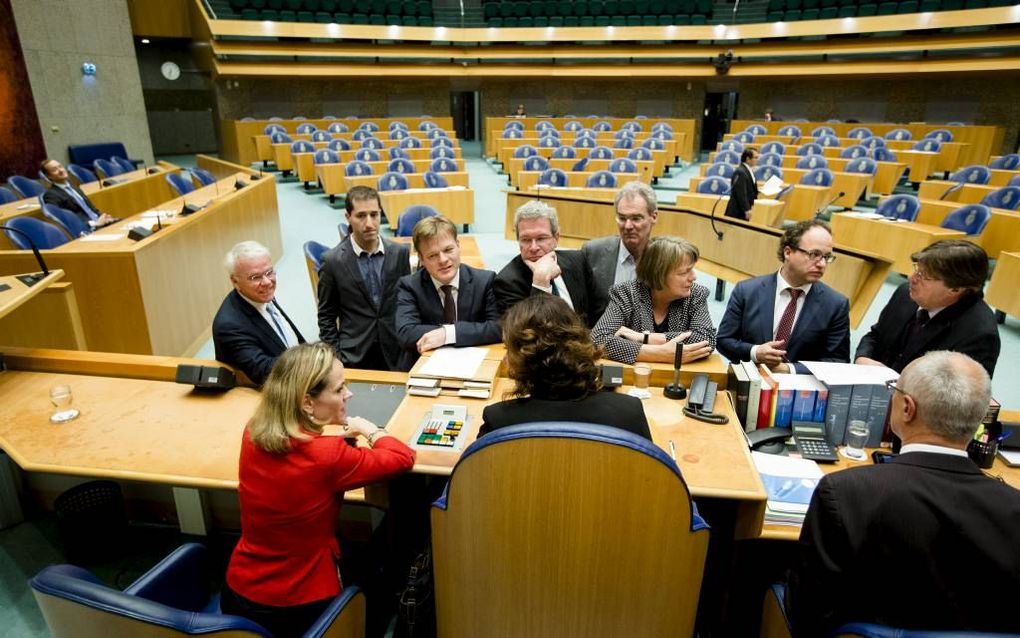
(786, 321)
(555, 290)
(372, 275)
(920, 320)
(449, 305)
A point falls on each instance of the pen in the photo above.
(672, 449)
(1004, 435)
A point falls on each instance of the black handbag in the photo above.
(416, 609)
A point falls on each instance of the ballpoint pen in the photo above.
(672, 449)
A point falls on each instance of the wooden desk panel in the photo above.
(1002, 177)
(458, 179)
(765, 212)
(1002, 233)
(684, 130)
(852, 185)
(645, 170)
(894, 240)
(41, 316)
(579, 179)
(660, 159)
(1003, 292)
(456, 204)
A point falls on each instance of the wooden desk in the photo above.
(1002, 177)
(661, 159)
(852, 185)
(44, 315)
(455, 203)
(942, 190)
(894, 240)
(1003, 292)
(1002, 233)
(645, 171)
(579, 179)
(159, 295)
(746, 250)
(765, 212)
(307, 169)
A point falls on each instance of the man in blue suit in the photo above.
(251, 329)
(790, 316)
(445, 302)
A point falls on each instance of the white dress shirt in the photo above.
(626, 267)
(449, 328)
(933, 449)
(781, 302)
(288, 336)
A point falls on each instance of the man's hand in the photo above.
(431, 340)
(771, 353)
(105, 219)
(544, 269)
(865, 361)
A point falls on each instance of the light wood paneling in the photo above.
(1003, 291)
(162, 19)
(894, 240)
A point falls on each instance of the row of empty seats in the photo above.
(21, 187)
(857, 133)
(793, 10)
(596, 13)
(379, 12)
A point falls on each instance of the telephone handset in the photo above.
(701, 401)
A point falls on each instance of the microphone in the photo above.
(829, 203)
(30, 280)
(718, 233)
(955, 187)
(676, 390)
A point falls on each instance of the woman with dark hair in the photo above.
(283, 572)
(550, 357)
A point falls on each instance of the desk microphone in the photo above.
(718, 233)
(955, 187)
(30, 280)
(830, 203)
(676, 390)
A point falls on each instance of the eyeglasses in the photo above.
(891, 385)
(535, 240)
(923, 276)
(815, 255)
(258, 276)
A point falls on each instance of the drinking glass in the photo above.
(61, 398)
(857, 433)
(642, 372)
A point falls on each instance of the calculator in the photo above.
(811, 443)
(441, 429)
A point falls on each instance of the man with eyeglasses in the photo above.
(613, 260)
(790, 316)
(940, 307)
(924, 542)
(540, 269)
(251, 329)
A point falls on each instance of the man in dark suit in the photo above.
(926, 541)
(251, 329)
(357, 288)
(743, 187)
(445, 302)
(66, 195)
(782, 318)
(540, 269)
(941, 307)
(613, 260)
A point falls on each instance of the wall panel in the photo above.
(23, 147)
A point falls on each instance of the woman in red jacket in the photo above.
(283, 572)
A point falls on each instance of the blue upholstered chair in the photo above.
(573, 126)
(171, 599)
(899, 134)
(525, 150)
(204, 177)
(512, 134)
(811, 162)
(873, 142)
(602, 126)
(1007, 197)
(7, 195)
(585, 142)
(544, 126)
(397, 125)
(586, 132)
(338, 145)
(338, 127)
(632, 126)
(744, 137)
(601, 153)
(732, 145)
(623, 165)
(361, 135)
(662, 134)
(756, 129)
(536, 163)
(822, 131)
(1006, 162)
(905, 207)
(549, 141)
(853, 152)
(273, 128)
(714, 186)
(411, 216)
(367, 155)
(434, 133)
(280, 138)
(770, 159)
(767, 171)
(601, 179)
(276, 118)
(862, 165)
(827, 140)
(817, 177)
(401, 166)
(410, 142)
(970, 219)
(44, 234)
(65, 219)
(82, 174)
(357, 168)
(313, 261)
(392, 181)
(326, 156)
(369, 126)
(624, 132)
(1014, 181)
(662, 125)
(774, 147)
(302, 146)
(398, 153)
(940, 134)
(974, 174)
(25, 187)
(440, 141)
(565, 152)
(791, 131)
(727, 157)
(427, 126)
(553, 177)
(443, 165)
(512, 124)
(811, 148)
(372, 142)
(504, 477)
(882, 154)
(305, 129)
(399, 134)
(434, 180)
(639, 154)
(180, 184)
(653, 144)
(322, 136)
(624, 142)
(859, 133)
(929, 145)
(106, 168)
(720, 169)
(125, 164)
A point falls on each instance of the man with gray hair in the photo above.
(613, 260)
(251, 329)
(540, 269)
(926, 541)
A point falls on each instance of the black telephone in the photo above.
(701, 401)
(769, 440)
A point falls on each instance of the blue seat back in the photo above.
(322, 136)
(899, 134)
(811, 148)
(623, 165)
(573, 126)
(790, 130)
(273, 128)
(662, 126)
(1006, 162)
(85, 154)
(601, 152)
(624, 132)
(357, 167)
(401, 166)
(545, 126)
(280, 138)
(639, 154)
(326, 156)
(601, 179)
(827, 140)
(536, 163)
(125, 165)
(940, 134)
(811, 162)
(338, 127)
(662, 134)
(862, 165)
(44, 234)
(727, 157)
(774, 147)
(7, 195)
(442, 151)
(822, 131)
(397, 152)
(371, 142)
(970, 219)
(106, 167)
(873, 142)
(512, 124)
(853, 152)
(179, 183)
(732, 145)
(435, 180)
(602, 126)
(1014, 181)
(859, 133)
(756, 129)
(443, 165)
(302, 146)
(565, 152)
(411, 216)
(361, 135)
(440, 141)
(82, 174)
(410, 142)
(904, 207)
(770, 159)
(427, 126)
(398, 134)
(305, 129)
(549, 142)
(553, 177)
(714, 186)
(398, 125)
(525, 150)
(817, 177)
(366, 155)
(436, 133)
(624, 142)
(585, 142)
(313, 252)
(653, 144)
(882, 154)
(339, 145)
(764, 173)
(744, 137)
(929, 145)
(368, 126)
(1007, 197)
(631, 126)
(720, 169)
(392, 181)
(204, 177)
(974, 174)
(70, 222)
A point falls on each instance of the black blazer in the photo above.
(58, 197)
(348, 318)
(420, 310)
(968, 326)
(243, 339)
(822, 331)
(601, 408)
(743, 190)
(513, 284)
(924, 542)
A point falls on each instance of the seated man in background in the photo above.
(789, 316)
(926, 541)
(940, 307)
(68, 196)
(445, 302)
(358, 288)
(613, 260)
(250, 329)
(540, 269)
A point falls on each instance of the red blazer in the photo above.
(288, 551)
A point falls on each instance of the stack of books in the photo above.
(790, 483)
(463, 372)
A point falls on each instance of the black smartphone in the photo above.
(878, 457)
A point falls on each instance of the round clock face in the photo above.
(170, 70)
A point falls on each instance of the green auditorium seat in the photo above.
(426, 21)
(698, 19)
(238, 5)
(342, 18)
(596, 7)
(828, 13)
(908, 6)
(257, 4)
(610, 7)
(377, 19)
(249, 14)
(931, 5)
(793, 4)
(627, 7)
(506, 9)
(292, 5)
(556, 21)
(791, 15)
(681, 19)
(774, 16)
(408, 21)
(305, 16)
(521, 9)
(586, 21)
(633, 21)
(602, 21)
(363, 6)
(657, 7)
(496, 22)
(848, 12)
(703, 7)
(574, 21)
(649, 20)
(491, 11)
(641, 7)
(269, 14)
(975, 4)
(379, 6)
(359, 18)
(887, 8)
(671, 7)
(828, 3)
(809, 4)
(536, 8)
(393, 19)
(618, 21)
(952, 5)
(551, 8)
(288, 16)
(541, 21)
(393, 7)
(525, 22)
(665, 21)
(579, 8)
(409, 8)
(809, 14)
(276, 5)
(867, 10)
(776, 5)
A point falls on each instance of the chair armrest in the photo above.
(344, 617)
(774, 622)
(178, 581)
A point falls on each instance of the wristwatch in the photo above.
(371, 437)
(646, 338)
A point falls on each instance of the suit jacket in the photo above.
(348, 318)
(968, 326)
(743, 190)
(630, 304)
(924, 542)
(242, 337)
(513, 283)
(59, 197)
(601, 408)
(601, 255)
(822, 331)
(420, 310)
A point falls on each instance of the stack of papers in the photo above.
(790, 483)
(464, 371)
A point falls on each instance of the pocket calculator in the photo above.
(811, 443)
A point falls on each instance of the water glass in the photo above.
(642, 373)
(857, 433)
(61, 398)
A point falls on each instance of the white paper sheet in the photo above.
(772, 186)
(831, 373)
(453, 363)
(104, 237)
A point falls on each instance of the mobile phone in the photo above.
(879, 457)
